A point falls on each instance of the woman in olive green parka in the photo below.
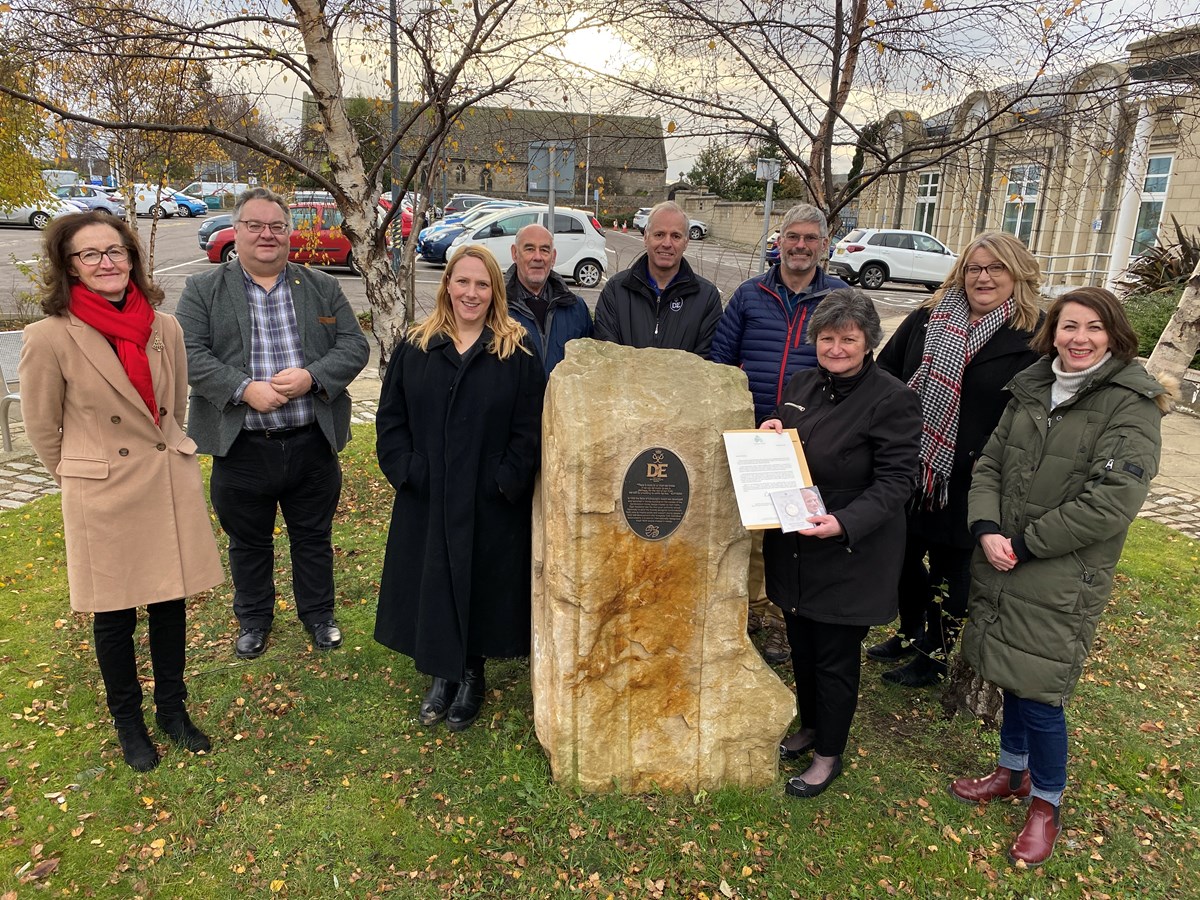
(1052, 498)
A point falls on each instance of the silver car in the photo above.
(93, 198)
(39, 212)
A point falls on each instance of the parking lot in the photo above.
(177, 255)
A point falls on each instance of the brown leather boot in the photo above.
(996, 786)
(1035, 842)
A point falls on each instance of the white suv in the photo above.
(871, 256)
(577, 239)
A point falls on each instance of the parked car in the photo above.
(434, 241)
(773, 248)
(189, 206)
(871, 256)
(577, 239)
(463, 202)
(216, 194)
(39, 212)
(93, 197)
(208, 226)
(153, 201)
(316, 238)
(697, 230)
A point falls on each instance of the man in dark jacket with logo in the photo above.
(659, 301)
(540, 300)
(763, 331)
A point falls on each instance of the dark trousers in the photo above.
(826, 660)
(300, 476)
(113, 632)
(927, 609)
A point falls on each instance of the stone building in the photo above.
(506, 152)
(1087, 170)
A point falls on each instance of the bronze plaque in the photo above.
(655, 494)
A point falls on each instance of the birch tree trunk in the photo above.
(967, 692)
(1180, 338)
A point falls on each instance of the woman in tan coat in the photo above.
(104, 391)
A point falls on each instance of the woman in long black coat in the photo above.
(458, 436)
(860, 428)
(974, 335)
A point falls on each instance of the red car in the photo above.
(316, 238)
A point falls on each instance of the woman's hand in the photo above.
(774, 425)
(823, 526)
(999, 552)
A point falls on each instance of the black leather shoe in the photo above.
(325, 635)
(798, 787)
(465, 708)
(183, 731)
(251, 643)
(921, 671)
(786, 753)
(437, 701)
(139, 751)
(893, 649)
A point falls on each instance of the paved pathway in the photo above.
(1174, 496)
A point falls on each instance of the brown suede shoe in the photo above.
(1035, 842)
(776, 649)
(996, 786)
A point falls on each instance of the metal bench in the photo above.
(10, 354)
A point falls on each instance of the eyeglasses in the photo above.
(993, 269)
(790, 238)
(275, 227)
(116, 255)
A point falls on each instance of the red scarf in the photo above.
(128, 330)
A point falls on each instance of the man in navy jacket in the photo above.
(540, 300)
(763, 331)
(764, 326)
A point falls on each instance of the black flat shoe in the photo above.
(786, 753)
(325, 635)
(437, 701)
(467, 702)
(251, 642)
(798, 787)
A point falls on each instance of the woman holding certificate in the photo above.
(860, 429)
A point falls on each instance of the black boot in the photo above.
(437, 701)
(465, 708)
(180, 728)
(893, 649)
(922, 671)
(140, 753)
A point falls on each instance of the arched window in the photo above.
(460, 174)
(485, 179)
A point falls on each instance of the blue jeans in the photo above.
(1033, 736)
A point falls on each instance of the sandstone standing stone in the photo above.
(643, 674)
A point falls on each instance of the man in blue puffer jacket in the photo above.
(763, 331)
(540, 300)
(763, 327)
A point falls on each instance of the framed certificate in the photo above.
(760, 463)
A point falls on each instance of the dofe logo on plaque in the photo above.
(655, 494)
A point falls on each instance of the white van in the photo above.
(225, 193)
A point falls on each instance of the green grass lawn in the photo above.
(323, 784)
